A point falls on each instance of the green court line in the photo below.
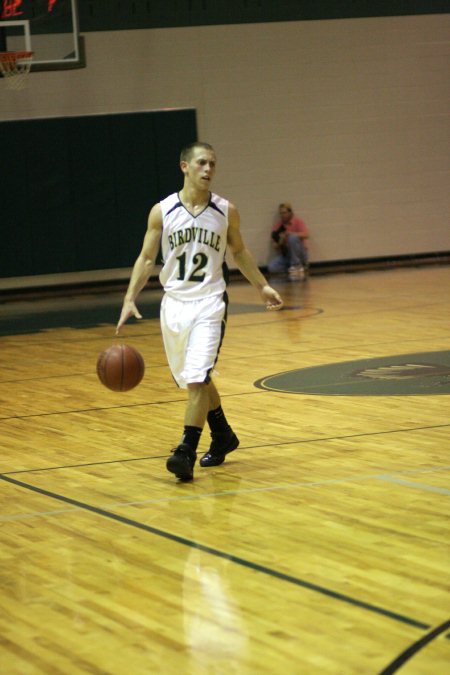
(256, 567)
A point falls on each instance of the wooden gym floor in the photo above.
(320, 546)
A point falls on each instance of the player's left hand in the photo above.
(271, 298)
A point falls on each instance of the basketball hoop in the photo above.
(15, 67)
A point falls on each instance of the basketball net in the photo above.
(15, 67)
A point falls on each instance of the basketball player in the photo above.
(195, 226)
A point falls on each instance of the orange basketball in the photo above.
(120, 367)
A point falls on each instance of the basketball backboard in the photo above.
(48, 28)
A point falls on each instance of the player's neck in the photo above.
(193, 198)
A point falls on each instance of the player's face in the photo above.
(201, 168)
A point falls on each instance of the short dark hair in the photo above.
(187, 151)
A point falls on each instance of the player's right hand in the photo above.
(129, 309)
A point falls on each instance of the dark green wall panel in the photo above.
(97, 15)
(76, 192)
(93, 192)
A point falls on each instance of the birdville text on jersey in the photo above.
(198, 234)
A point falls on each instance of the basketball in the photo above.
(120, 367)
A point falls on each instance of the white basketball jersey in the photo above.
(193, 248)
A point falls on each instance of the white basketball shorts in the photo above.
(192, 332)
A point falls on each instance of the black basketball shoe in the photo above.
(181, 463)
(222, 443)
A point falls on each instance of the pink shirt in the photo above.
(294, 225)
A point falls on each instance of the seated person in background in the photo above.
(290, 238)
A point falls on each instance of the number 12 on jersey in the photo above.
(200, 260)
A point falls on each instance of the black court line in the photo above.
(47, 335)
(221, 554)
(248, 447)
(116, 407)
(414, 648)
(88, 410)
(85, 464)
(340, 438)
(68, 374)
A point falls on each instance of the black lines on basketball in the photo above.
(120, 367)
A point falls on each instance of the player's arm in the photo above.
(246, 263)
(143, 266)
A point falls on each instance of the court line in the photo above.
(223, 359)
(338, 438)
(226, 493)
(63, 467)
(256, 567)
(66, 375)
(250, 447)
(414, 648)
(88, 410)
(413, 484)
(271, 488)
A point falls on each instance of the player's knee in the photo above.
(197, 389)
